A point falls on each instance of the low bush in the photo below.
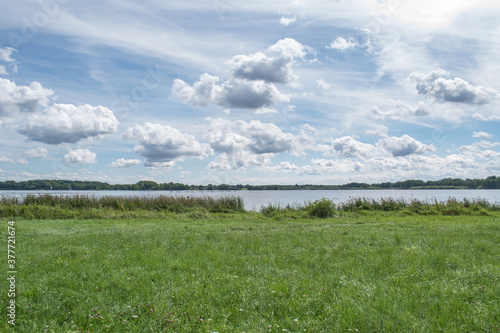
(323, 208)
(277, 211)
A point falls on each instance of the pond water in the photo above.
(254, 200)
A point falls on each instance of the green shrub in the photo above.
(276, 211)
(323, 208)
(270, 210)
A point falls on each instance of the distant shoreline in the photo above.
(491, 182)
(262, 189)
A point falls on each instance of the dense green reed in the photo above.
(83, 206)
(451, 206)
(91, 207)
(326, 208)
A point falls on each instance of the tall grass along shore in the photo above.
(166, 264)
(83, 206)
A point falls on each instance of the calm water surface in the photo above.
(254, 200)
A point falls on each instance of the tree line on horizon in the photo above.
(491, 182)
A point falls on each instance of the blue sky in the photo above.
(236, 91)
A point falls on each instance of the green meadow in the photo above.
(99, 266)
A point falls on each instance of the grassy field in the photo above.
(278, 271)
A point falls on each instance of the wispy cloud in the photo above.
(342, 45)
(286, 21)
(7, 62)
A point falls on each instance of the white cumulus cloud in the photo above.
(404, 146)
(485, 144)
(162, 145)
(255, 95)
(347, 146)
(123, 163)
(481, 117)
(80, 156)
(37, 153)
(283, 167)
(322, 166)
(291, 48)
(252, 80)
(439, 85)
(5, 159)
(241, 143)
(399, 109)
(66, 123)
(482, 135)
(14, 98)
(202, 93)
(234, 93)
(258, 66)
